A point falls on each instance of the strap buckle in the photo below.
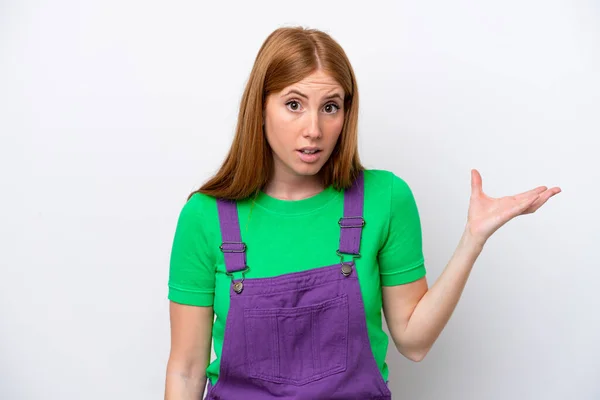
(232, 248)
(353, 224)
(341, 256)
(238, 286)
(242, 270)
(347, 265)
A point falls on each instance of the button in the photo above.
(346, 269)
(238, 287)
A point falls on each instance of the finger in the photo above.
(537, 190)
(533, 207)
(542, 199)
(524, 204)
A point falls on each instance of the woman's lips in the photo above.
(309, 157)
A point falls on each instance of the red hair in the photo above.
(287, 56)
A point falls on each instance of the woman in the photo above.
(296, 248)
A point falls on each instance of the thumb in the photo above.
(475, 182)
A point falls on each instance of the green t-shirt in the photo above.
(285, 236)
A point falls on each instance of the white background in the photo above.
(111, 112)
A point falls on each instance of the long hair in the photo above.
(288, 55)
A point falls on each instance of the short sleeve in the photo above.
(401, 256)
(192, 266)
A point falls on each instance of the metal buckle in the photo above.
(362, 222)
(341, 255)
(243, 271)
(238, 286)
(243, 250)
(347, 265)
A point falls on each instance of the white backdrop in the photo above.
(112, 112)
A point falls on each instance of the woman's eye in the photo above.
(293, 105)
(331, 108)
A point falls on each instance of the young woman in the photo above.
(296, 248)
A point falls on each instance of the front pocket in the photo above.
(297, 345)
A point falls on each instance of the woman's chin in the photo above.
(307, 170)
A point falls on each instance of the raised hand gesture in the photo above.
(487, 214)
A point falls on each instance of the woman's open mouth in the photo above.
(309, 154)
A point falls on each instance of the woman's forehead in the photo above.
(318, 81)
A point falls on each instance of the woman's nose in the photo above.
(313, 130)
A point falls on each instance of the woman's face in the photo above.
(303, 123)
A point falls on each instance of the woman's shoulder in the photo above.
(388, 188)
(199, 206)
(381, 178)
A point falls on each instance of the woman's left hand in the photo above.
(487, 214)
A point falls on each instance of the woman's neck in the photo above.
(293, 187)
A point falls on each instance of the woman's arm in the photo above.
(191, 336)
(416, 315)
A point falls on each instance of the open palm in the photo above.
(487, 214)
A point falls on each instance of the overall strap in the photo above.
(351, 224)
(233, 248)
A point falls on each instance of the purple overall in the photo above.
(302, 335)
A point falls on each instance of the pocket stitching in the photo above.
(270, 313)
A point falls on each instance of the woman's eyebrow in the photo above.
(331, 96)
